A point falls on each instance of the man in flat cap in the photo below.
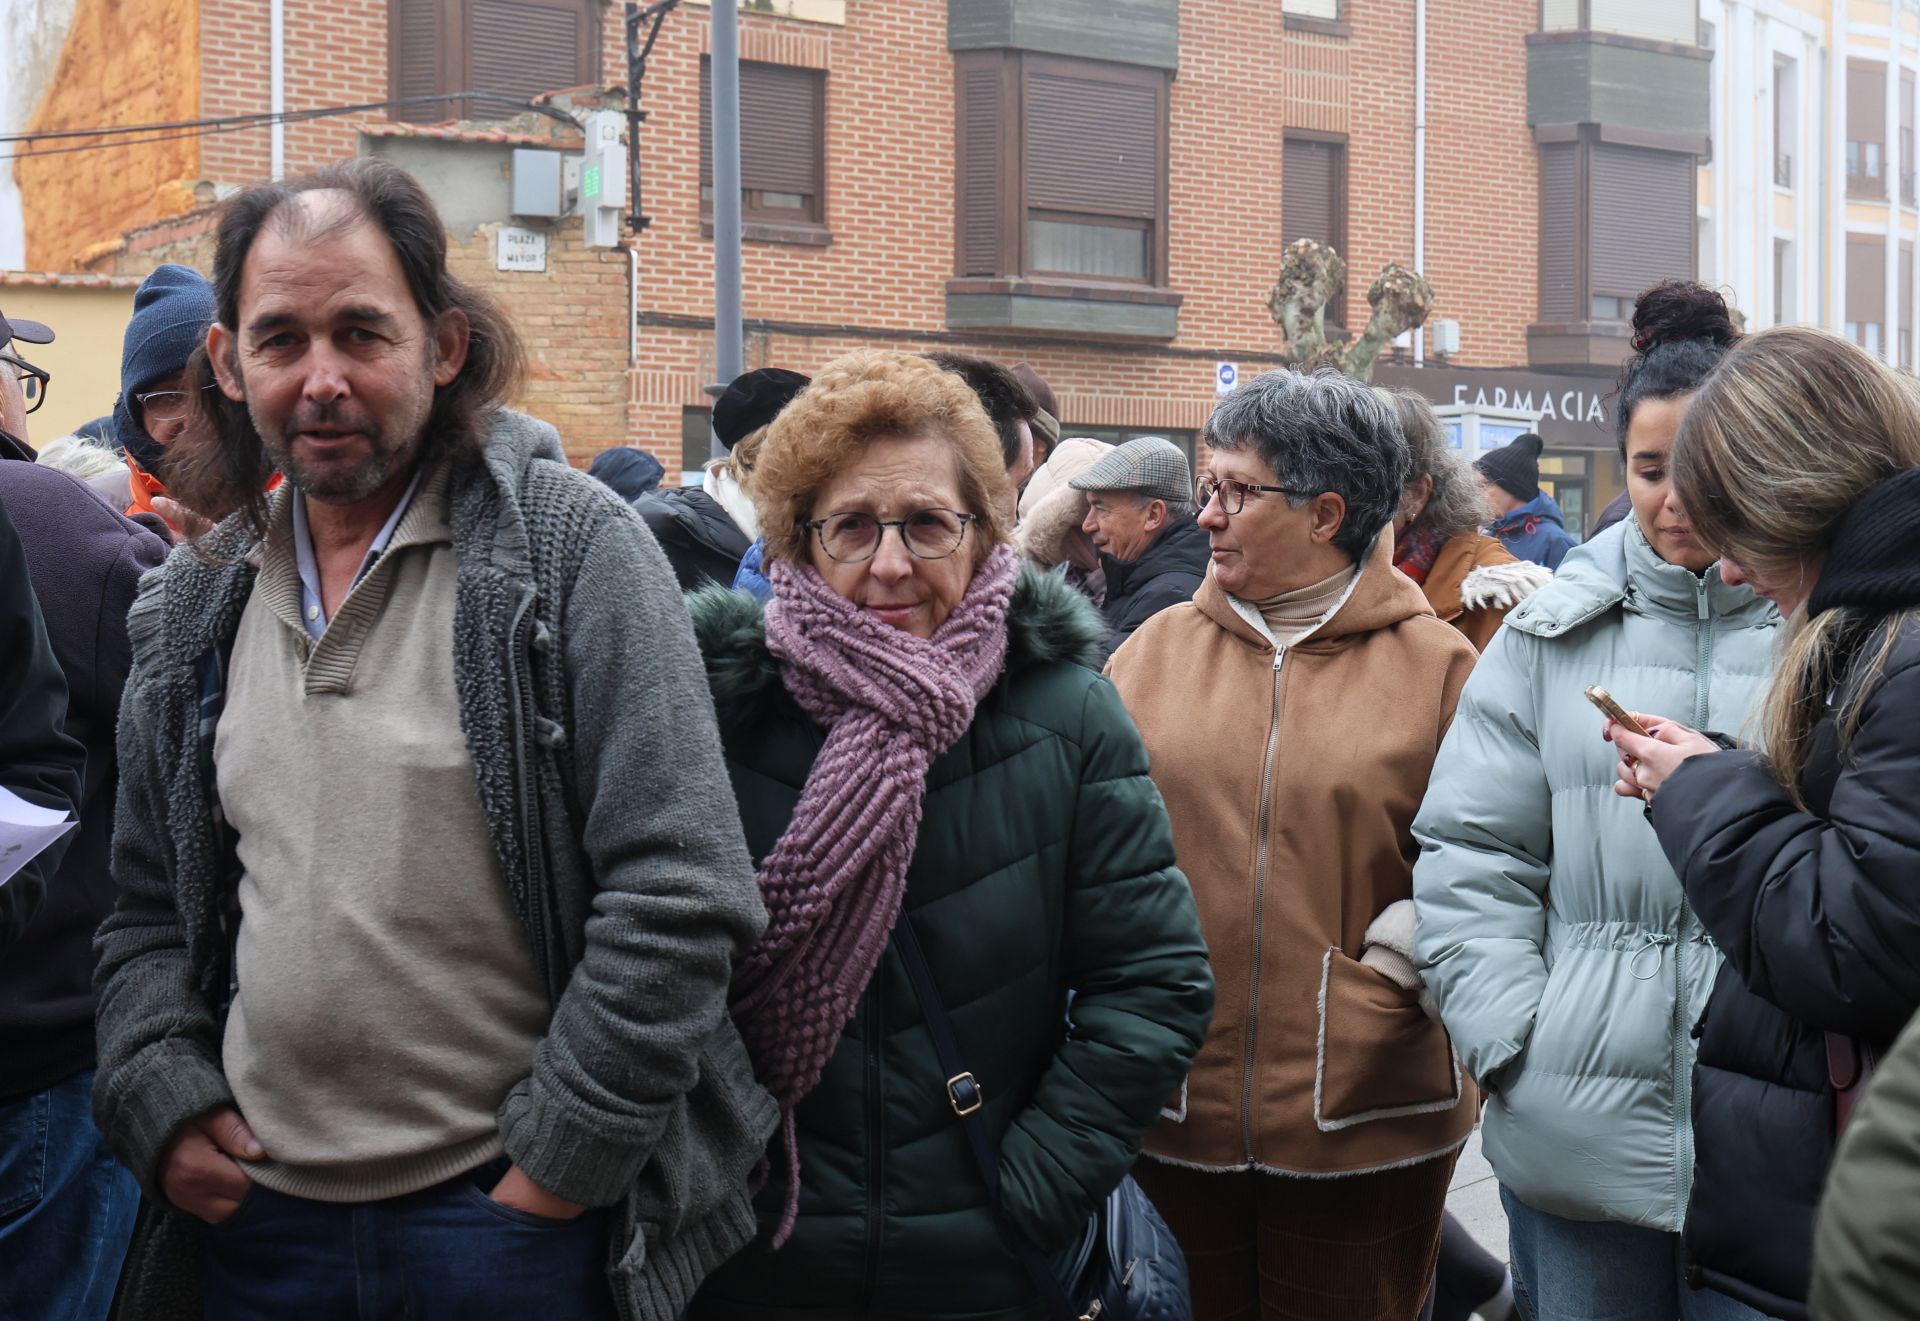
(1140, 516)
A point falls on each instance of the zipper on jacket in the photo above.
(1264, 824)
(872, 1037)
(1682, 1010)
(519, 689)
(1703, 672)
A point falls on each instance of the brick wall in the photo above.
(335, 54)
(890, 205)
(120, 64)
(1239, 87)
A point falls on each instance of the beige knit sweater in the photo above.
(387, 997)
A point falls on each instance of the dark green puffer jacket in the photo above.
(1044, 866)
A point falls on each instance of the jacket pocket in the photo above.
(1378, 1056)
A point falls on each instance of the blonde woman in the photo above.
(1799, 461)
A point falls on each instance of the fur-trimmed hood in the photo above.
(1047, 621)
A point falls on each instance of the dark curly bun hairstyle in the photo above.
(1681, 330)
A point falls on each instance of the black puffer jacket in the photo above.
(1168, 572)
(702, 543)
(1819, 915)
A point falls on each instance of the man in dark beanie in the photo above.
(1525, 518)
(171, 312)
(706, 527)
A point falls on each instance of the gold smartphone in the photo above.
(1603, 699)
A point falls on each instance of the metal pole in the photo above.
(729, 360)
(1420, 162)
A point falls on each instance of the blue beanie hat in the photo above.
(171, 312)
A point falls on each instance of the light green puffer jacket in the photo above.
(1553, 935)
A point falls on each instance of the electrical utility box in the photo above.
(539, 183)
(603, 181)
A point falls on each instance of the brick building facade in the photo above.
(1289, 114)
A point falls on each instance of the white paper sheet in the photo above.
(26, 829)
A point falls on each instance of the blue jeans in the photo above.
(1598, 1270)
(445, 1253)
(66, 1207)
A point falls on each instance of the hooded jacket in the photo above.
(630, 472)
(1167, 573)
(1819, 915)
(1557, 943)
(1291, 778)
(598, 770)
(1043, 871)
(85, 563)
(1536, 531)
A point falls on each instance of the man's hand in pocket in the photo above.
(200, 1174)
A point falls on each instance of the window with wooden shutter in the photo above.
(1642, 228)
(1866, 128)
(1094, 139)
(515, 49)
(1313, 201)
(984, 110)
(1060, 168)
(414, 57)
(1560, 232)
(1866, 291)
(782, 143)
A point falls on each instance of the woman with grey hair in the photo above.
(1469, 578)
(1304, 1165)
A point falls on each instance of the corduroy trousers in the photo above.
(1357, 1248)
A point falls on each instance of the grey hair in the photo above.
(1320, 433)
(1456, 506)
(80, 456)
(1175, 508)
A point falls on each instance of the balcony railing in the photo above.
(1783, 170)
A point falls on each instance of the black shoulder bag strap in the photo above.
(966, 1099)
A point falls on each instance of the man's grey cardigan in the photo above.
(587, 713)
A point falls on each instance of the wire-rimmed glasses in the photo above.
(928, 534)
(166, 405)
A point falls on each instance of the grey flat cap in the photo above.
(1151, 465)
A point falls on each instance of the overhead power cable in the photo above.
(195, 128)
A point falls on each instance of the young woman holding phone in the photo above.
(1800, 461)
(1557, 943)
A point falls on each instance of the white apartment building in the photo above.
(1809, 208)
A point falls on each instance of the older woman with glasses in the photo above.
(1292, 711)
(925, 763)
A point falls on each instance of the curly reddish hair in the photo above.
(869, 396)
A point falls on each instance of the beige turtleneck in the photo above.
(1290, 616)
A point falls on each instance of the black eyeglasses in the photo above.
(33, 381)
(928, 534)
(167, 405)
(1233, 495)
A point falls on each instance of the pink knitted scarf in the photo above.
(832, 885)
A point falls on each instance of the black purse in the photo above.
(1126, 1266)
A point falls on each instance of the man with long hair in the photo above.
(431, 885)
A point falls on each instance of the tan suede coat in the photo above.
(1459, 557)
(1292, 780)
